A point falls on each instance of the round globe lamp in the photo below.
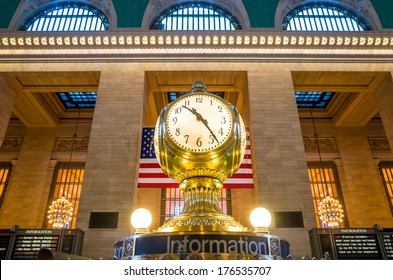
(260, 219)
(141, 220)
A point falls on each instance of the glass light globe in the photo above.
(260, 218)
(141, 219)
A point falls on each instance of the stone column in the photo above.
(384, 100)
(363, 194)
(111, 163)
(7, 97)
(281, 174)
(27, 193)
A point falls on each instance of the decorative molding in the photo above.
(326, 145)
(379, 144)
(71, 144)
(377, 161)
(246, 46)
(203, 221)
(338, 162)
(11, 145)
(279, 39)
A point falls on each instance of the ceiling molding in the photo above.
(201, 38)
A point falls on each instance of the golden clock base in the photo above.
(206, 222)
(201, 210)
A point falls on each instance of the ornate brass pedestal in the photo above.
(201, 211)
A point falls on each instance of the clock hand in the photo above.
(203, 120)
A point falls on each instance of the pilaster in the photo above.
(27, 193)
(6, 105)
(281, 163)
(111, 165)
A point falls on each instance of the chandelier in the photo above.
(60, 213)
(330, 211)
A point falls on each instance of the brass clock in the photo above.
(199, 122)
(199, 135)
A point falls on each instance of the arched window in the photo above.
(68, 17)
(386, 170)
(67, 181)
(195, 16)
(5, 174)
(324, 181)
(321, 16)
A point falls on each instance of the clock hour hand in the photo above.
(203, 120)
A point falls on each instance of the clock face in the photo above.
(199, 122)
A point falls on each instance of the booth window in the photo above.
(324, 183)
(67, 181)
(320, 16)
(386, 170)
(195, 16)
(5, 174)
(68, 17)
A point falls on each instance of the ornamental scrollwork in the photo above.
(11, 145)
(379, 144)
(68, 145)
(325, 144)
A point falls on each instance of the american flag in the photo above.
(150, 174)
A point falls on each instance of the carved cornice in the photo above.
(229, 45)
(70, 144)
(379, 144)
(326, 145)
(278, 39)
(11, 145)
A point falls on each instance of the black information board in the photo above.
(352, 243)
(22, 244)
(357, 246)
(5, 241)
(27, 246)
(387, 242)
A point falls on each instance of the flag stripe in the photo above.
(150, 174)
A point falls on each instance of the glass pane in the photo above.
(195, 16)
(5, 173)
(323, 182)
(323, 17)
(386, 170)
(68, 182)
(68, 17)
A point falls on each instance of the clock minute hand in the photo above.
(203, 120)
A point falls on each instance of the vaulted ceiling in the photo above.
(37, 105)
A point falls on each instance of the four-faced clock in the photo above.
(199, 122)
